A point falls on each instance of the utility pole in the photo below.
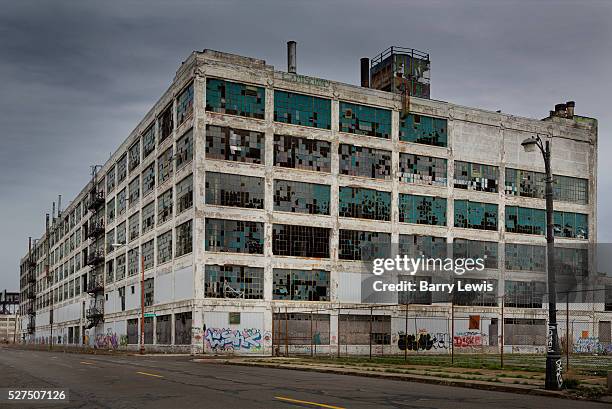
(554, 365)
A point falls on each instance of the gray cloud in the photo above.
(78, 76)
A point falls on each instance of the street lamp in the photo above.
(554, 367)
(142, 297)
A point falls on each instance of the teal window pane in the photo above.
(423, 129)
(298, 109)
(422, 210)
(364, 120)
(364, 203)
(235, 98)
(475, 215)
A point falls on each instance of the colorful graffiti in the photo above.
(224, 339)
(423, 341)
(468, 339)
(110, 340)
(591, 345)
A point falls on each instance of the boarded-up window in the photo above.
(182, 328)
(132, 331)
(299, 329)
(357, 329)
(163, 330)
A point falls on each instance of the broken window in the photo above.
(165, 125)
(225, 189)
(301, 197)
(422, 209)
(525, 257)
(134, 226)
(475, 298)
(571, 262)
(120, 270)
(134, 188)
(300, 241)
(121, 175)
(110, 179)
(163, 329)
(164, 247)
(148, 217)
(164, 206)
(184, 194)
(184, 149)
(423, 129)
(121, 201)
(414, 245)
(148, 141)
(474, 249)
(165, 166)
(110, 239)
(364, 203)
(365, 120)
(148, 179)
(363, 245)
(148, 254)
(182, 328)
(234, 236)
(572, 225)
(416, 296)
(184, 105)
(475, 176)
(231, 281)
(422, 170)
(475, 215)
(366, 162)
(302, 153)
(134, 156)
(299, 109)
(133, 262)
(525, 220)
(235, 99)
(237, 145)
(110, 211)
(362, 329)
(110, 271)
(132, 331)
(524, 294)
(301, 285)
(184, 239)
(533, 184)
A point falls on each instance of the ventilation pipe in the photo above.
(365, 72)
(291, 57)
(569, 108)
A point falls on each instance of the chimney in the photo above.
(291, 57)
(59, 205)
(570, 105)
(365, 72)
(53, 212)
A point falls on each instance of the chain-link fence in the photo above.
(505, 335)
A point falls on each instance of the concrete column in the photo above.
(395, 177)
(333, 204)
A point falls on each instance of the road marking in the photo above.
(150, 374)
(305, 402)
(86, 363)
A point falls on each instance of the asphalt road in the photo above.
(99, 381)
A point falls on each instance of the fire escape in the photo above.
(95, 255)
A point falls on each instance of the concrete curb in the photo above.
(483, 385)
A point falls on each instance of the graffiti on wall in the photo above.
(423, 341)
(468, 339)
(248, 339)
(110, 340)
(591, 345)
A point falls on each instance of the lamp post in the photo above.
(554, 366)
(142, 297)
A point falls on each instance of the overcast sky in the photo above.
(77, 76)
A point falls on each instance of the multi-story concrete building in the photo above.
(249, 193)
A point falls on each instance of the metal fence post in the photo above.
(371, 316)
(502, 334)
(311, 339)
(452, 333)
(406, 335)
(567, 332)
(338, 329)
(286, 333)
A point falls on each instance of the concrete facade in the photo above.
(474, 135)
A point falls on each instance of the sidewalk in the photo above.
(523, 382)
